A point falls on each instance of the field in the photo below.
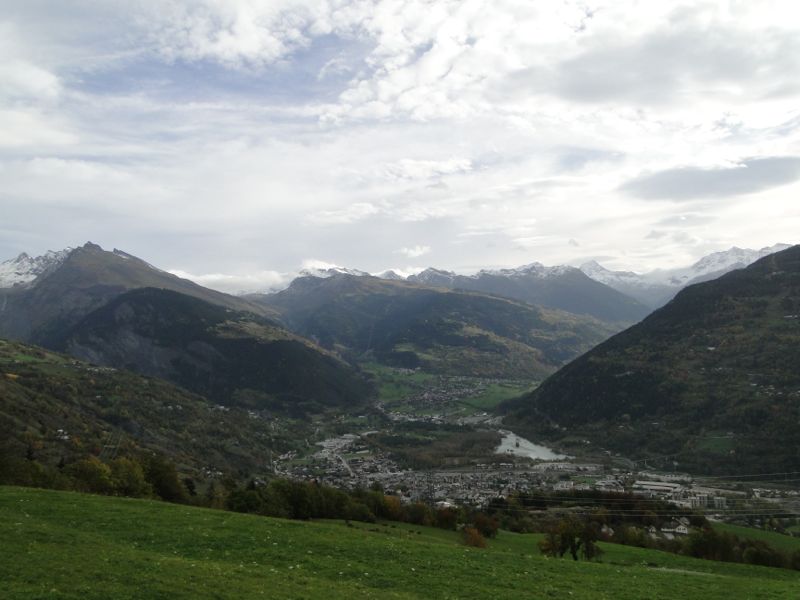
(454, 396)
(67, 545)
(779, 541)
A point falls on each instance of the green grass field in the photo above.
(496, 393)
(779, 541)
(67, 545)
(394, 387)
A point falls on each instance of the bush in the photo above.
(127, 477)
(91, 475)
(472, 537)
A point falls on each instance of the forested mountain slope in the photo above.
(711, 380)
(408, 325)
(232, 358)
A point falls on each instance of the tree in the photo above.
(418, 514)
(572, 535)
(91, 475)
(162, 475)
(447, 518)
(127, 477)
(487, 525)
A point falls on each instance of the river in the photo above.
(518, 446)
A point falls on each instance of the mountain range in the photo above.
(294, 351)
(656, 288)
(405, 324)
(118, 311)
(564, 288)
(709, 381)
(42, 297)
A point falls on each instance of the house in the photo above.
(651, 488)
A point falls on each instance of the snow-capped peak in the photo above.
(599, 273)
(390, 275)
(656, 287)
(324, 273)
(535, 269)
(735, 258)
(435, 277)
(24, 269)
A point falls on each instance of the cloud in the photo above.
(415, 251)
(213, 134)
(661, 66)
(349, 214)
(409, 169)
(685, 220)
(235, 33)
(313, 264)
(335, 66)
(260, 281)
(688, 183)
(31, 128)
(21, 80)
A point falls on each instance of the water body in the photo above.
(518, 446)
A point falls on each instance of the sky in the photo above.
(238, 141)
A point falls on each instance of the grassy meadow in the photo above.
(68, 545)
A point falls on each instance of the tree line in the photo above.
(156, 477)
(572, 526)
(575, 524)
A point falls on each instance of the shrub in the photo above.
(127, 477)
(472, 537)
(91, 475)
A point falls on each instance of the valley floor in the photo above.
(68, 545)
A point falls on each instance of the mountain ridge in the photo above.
(405, 324)
(560, 287)
(710, 378)
(230, 357)
(656, 287)
(81, 281)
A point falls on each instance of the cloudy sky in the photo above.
(239, 140)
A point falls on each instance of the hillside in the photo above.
(79, 281)
(561, 288)
(402, 324)
(230, 357)
(67, 545)
(710, 381)
(55, 407)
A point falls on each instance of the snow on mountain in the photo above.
(657, 287)
(431, 276)
(434, 277)
(24, 269)
(534, 269)
(736, 258)
(711, 266)
(390, 275)
(324, 273)
(599, 273)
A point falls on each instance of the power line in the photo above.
(736, 477)
(632, 499)
(673, 515)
